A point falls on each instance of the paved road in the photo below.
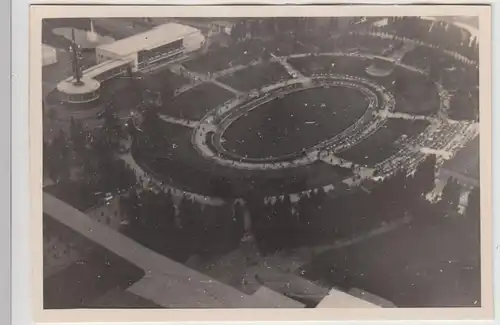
(179, 121)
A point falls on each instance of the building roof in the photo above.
(48, 50)
(102, 67)
(466, 161)
(155, 37)
(339, 299)
(186, 287)
(69, 87)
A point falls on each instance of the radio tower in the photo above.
(77, 73)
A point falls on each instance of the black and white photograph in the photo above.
(262, 161)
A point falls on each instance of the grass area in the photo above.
(165, 80)
(220, 58)
(196, 102)
(420, 57)
(330, 64)
(424, 264)
(295, 122)
(415, 93)
(257, 76)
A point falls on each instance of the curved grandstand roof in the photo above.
(157, 36)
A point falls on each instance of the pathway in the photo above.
(405, 116)
(438, 152)
(227, 87)
(199, 78)
(330, 158)
(294, 73)
(180, 121)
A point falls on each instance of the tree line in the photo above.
(315, 218)
(87, 160)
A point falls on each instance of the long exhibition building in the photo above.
(163, 43)
(159, 45)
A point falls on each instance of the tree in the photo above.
(150, 119)
(238, 31)
(167, 210)
(451, 195)
(474, 203)
(238, 220)
(77, 136)
(130, 205)
(51, 114)
(58, 158)
(131, 127)
(425, 175)
(266, 56)
(124, 176)
(222, 187)
(189, 214)
(112, 126)
(304, 211)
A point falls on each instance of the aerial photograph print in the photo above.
(261, 162)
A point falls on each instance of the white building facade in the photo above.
(162, 43)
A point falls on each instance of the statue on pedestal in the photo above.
(77, 72)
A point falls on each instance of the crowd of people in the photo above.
(447, 138)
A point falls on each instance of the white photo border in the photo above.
(22, 296)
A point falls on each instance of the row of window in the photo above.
(161, 58)
(147, 55)
(120, 70)
(80, 98)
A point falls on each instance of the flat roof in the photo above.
(265, 297)
(186, 287)
(102, 67)
(162, 34)
(339, 299)
(68, 86)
